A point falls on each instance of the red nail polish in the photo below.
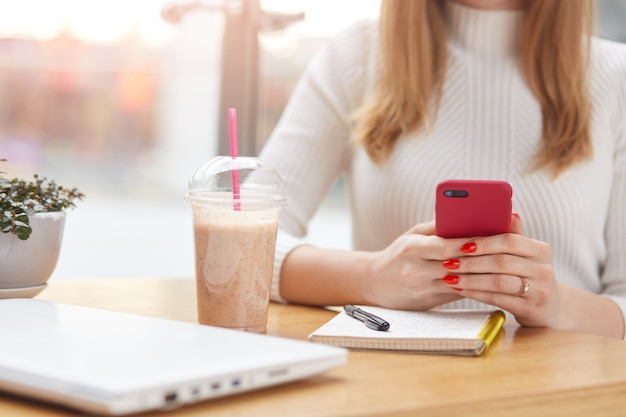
(451, 264)
(457, 289)
(450, 279)
(469, 247)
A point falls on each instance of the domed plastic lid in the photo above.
(226, 181)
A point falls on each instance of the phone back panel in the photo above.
(469, 208)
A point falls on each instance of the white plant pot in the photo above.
(27, 264)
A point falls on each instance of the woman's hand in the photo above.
(419, 271)
(407, 274)
(509, 271)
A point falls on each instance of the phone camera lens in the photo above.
(448, 193)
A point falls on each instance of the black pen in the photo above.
(371, 321)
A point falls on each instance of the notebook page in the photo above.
(435, 324)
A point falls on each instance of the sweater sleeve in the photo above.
(310, 146)
(614, 272)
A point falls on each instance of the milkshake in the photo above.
(234, 266)
(235, 232)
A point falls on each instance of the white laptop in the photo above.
(107, 362)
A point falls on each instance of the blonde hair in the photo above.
(555, 49)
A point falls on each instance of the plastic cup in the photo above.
(235, 240)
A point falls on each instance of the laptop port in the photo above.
(170, 397)
(278, 372)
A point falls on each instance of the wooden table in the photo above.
(528, 372)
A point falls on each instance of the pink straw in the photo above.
(234, 153)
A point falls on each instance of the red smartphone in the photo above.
(470, 208)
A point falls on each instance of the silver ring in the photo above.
(524, 288)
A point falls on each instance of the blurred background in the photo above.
(124, 98)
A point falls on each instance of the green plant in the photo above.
(20, 198)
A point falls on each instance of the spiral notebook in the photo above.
(449, 332)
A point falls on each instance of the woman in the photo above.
(483, 89)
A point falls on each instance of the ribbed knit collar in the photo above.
(486, 32)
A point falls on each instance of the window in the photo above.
(107, 96)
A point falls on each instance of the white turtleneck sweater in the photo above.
(488, 127)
